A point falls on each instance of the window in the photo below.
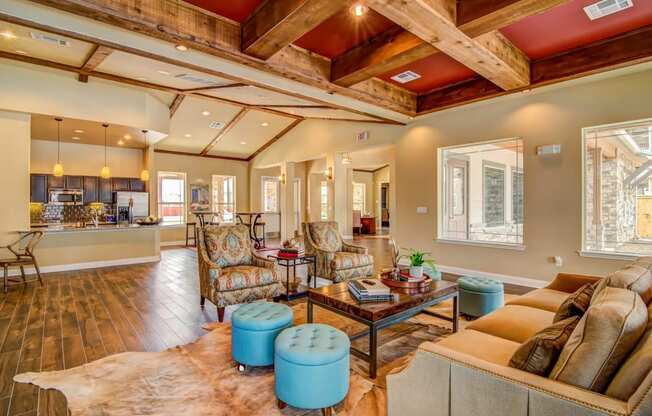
(172, 197)
(323, 194)
(617, 191)
(224, 197)
(480, 193)
(359, 192)
(271, 191)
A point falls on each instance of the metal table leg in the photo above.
(309, 311)
(373, 351)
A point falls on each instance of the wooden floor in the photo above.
(78, 317)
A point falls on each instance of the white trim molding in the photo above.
(514, 280)
(485, 244)
(88, 265)
(608, 255)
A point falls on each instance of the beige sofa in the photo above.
(468, 373)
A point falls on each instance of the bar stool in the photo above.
(192, 236)
(23, 257)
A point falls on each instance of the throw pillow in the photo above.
(602, 340)
(576, 304)
(539, 354)
(634, 277)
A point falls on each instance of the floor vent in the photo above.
(405, 77)
(606, 7)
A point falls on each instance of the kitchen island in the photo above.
(67, 247)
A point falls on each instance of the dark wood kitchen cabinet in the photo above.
(120, 184)
(106, 193)
(136, 185)
(56, 182)
(38, 191)
(91, 189)
(73, 182)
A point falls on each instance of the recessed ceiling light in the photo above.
(142, 78)
(120, 142)
(19, 52)
(188, 135)
(76, 138)
(7, 35)
(205, 113)
(78, 131)
(181, 48)
(127, 136)
(243, 142)
(264, 124)
(160, 71)
(359, 9)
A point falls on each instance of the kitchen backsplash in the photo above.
(50, 213)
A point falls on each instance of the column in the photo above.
(342, 193)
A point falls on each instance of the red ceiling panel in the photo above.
(436, 71)
(567, 27)
(237, 10)
(342, 32)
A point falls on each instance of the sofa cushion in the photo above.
(546, 299)
(480, 345)
(576, 304)
(539, 354)
(603, 339)
(345, 260)
(514, 322)
(241, 277)
(637, 366)
(228, 245)
(633, 277)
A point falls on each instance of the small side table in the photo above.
(292, 263)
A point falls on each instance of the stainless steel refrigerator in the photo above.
(131, 206)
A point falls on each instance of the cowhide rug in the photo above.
(201, 379)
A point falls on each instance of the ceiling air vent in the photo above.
(405, 77)
(216, 125)
(195, 78)
(606, 7)
(49, 39)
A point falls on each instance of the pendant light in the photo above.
(144, 174)
(105, 173)
(58, 167)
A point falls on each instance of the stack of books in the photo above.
(370, 290)
(291, 252)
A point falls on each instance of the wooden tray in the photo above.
(399, 284)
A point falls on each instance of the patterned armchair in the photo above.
(336, 260)
(230, 271)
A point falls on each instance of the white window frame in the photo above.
(612, 255)
(276, 180)
(364, 196)
(218, 205)
(160, 176)
(442, 199)
(323, 205)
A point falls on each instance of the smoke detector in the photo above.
(216, 125)
(606, 7)
(49, 39)
(405, 77)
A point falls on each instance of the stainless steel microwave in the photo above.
(66, 197)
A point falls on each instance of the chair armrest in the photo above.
(260, 261)
(578, 396)
(569, 283)
(205, 260)
(350, 248)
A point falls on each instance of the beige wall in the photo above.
(198, 170)
(553, 189)
(85, 159)
(367, 178)
(14, 181)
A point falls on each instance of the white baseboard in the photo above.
(87, 265)
(173, 243)
(514, 280)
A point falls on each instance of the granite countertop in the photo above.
(63, 228)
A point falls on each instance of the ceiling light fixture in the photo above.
(105, 173)
(205, 113)
(359, 9)
(121, 143)
(142, 78)
(188, 135)
(160, 71)
(7, 35)
(127, 136)
(58, 167)
(243, 142)
(19, 52)
(78, 131)
(144, 174)
(76, 138)
(181, 48)
(264, 124)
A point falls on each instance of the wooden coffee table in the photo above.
(379, 315)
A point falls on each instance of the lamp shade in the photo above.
(105, 173)
(58, 170)
(144, 175)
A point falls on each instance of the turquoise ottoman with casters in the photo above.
(255, 327)
(311, 367)
(479, 295)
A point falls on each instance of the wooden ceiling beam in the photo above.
(397, 47)
(491, 55)
(94, 59)
(276, 24)
(225, 130)
(275, 138)
(176, 104)
(629, 49)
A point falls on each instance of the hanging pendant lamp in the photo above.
(144, 174)
(58, 167)
(105, 173)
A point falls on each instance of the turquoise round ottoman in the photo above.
(479, 296)
(311, 366)
(254, 329)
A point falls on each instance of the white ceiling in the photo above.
(257, 96)
(325, 113)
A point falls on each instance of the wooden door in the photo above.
(120, 184)
(73, 182)
(56, 182)
(91, 189)
(136, 185)
(106, 192)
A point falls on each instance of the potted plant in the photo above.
(417, 260)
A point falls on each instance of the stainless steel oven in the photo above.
(66, 197)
